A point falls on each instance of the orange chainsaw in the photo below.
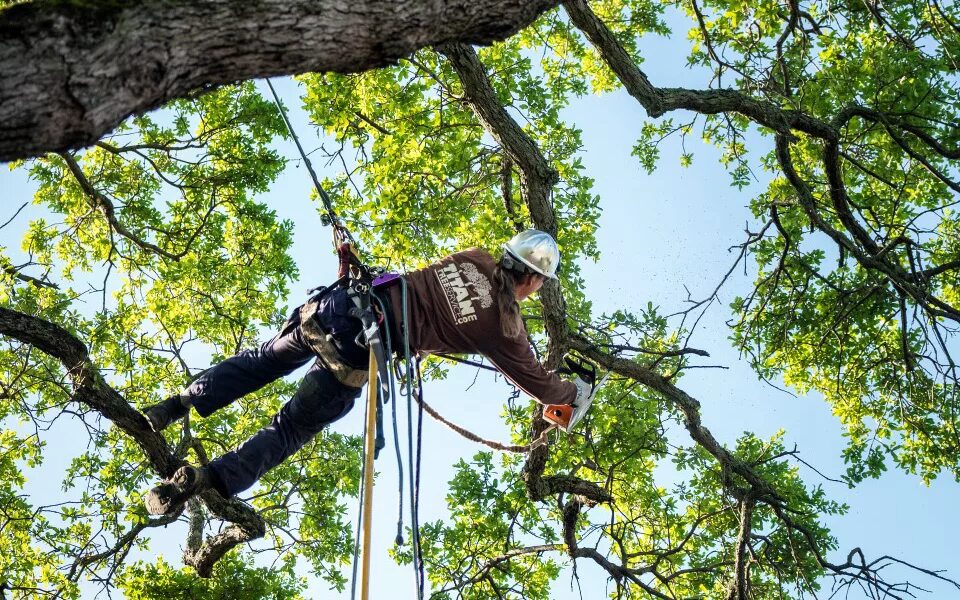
(566, 416)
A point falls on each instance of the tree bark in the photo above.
(70, 73)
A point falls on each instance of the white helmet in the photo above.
(536, 250)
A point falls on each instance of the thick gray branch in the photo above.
(688, 406)
(740, 586)
(876, 262)
(659, 101)
(537, 178)
(71, 72)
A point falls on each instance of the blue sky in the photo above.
(660, 234)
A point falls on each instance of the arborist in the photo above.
(467, 303)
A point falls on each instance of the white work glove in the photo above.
(581, 404)
(584, 392)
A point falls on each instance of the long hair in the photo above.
(511, 324)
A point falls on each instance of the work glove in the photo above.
(585, 391)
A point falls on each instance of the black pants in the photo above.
(321, 399)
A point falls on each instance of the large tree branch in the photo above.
(757, 490)
(659, 101)
(688, 406)
(91, 389)
(537, 175)
(71, 72)
(537, 178)
(740, 586)
(875, 261)
(479, 94)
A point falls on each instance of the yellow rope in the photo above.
(369, 442)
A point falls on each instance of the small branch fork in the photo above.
(122, 546)
(100, 202)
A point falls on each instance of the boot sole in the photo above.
(166, 499)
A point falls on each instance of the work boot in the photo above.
(172, 494)
(161, 415)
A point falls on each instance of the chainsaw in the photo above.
(566, 416)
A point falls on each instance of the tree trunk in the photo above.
(70, 73)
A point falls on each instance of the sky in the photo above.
(660, 235)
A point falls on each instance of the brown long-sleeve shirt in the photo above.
(452, 307)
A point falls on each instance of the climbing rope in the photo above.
(414, 520)
(541, 440)
(340, 233)
(416, 494)
(393, 410)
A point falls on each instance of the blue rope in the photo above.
(414, 458)
(416, 496)
(393, 410)
(414, 521)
